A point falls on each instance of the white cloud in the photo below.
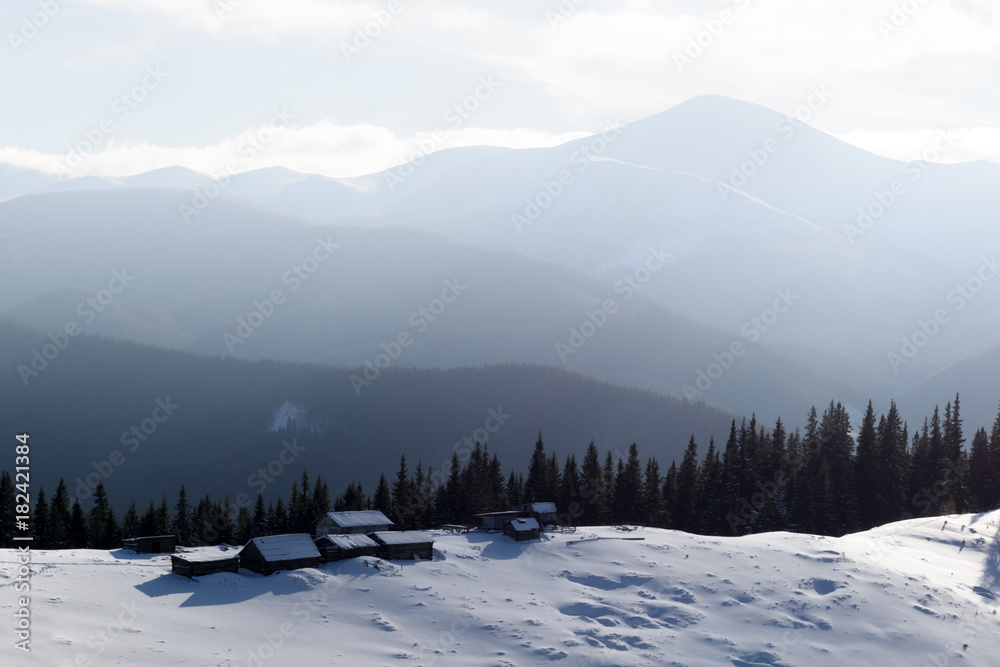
(978, 143)
(322, 148)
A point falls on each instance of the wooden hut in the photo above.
(200, 564)
(279, 552)
(362, 522)
(495, 520)
(339, 547)
(523, 529)
(404, 544)
(545, 513)
(151, 544)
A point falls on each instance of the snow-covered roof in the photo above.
(360, 518)
(350, 541)
(521, 525)
(206, 556)
(403, 537)
(286, 547)
(543, 508)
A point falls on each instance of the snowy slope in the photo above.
(910, 593)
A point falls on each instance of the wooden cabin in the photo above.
(404, 545)
(495, 520)
(199, 564)
(362, 522)
(339, 547)
(279, 552)
(522, 530)
(151, 544)
(545, 513)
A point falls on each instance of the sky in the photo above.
(119, 87)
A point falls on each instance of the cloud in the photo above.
(322, 148)
(978, 143)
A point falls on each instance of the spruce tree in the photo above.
(59, 517)
(868, 471)
(130, 521)
(40, 522)
(952, 466)
(78, 537)
(383, 497)
(685, 510)
(260, 523)
(402, 497)
(569, 492)
(654, 509)
(593, 493)
(244, 526)
(710, 493)
(979, 469)
(536, 486)
(892, 469)
(182, 518)
(628, 489)
(993, 488)
(98, 528)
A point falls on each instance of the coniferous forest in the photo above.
(831, 478)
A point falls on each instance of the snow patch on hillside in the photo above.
(912, 593)
(289, 415)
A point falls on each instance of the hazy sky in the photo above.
(563, 69)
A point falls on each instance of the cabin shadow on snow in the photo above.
(991, 570)
(497, 546)
(227, 588)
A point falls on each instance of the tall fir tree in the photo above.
(382, 501)
(40, 522)
(979, 471)
(78, 537)
(536, 485)
(182, 518)
(993, 488)
(685, 510)
(59, 516)
(866, 464)
(593, 494)
(130, 521)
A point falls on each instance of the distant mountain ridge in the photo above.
(219, 426)
(747, 202)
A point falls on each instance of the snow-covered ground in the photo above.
(922, 592)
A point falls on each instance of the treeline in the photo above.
(828, 479)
